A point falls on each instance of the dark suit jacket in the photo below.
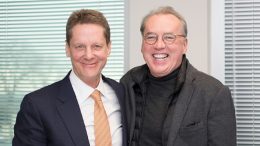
(203, 114)
(51, 117)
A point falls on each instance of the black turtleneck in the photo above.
(158, 96)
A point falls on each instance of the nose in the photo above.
(88, 53)
(160, 43)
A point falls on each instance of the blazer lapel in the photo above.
(70, 113)
(132, 114)
(179, 111)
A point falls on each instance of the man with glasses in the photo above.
(168, 101)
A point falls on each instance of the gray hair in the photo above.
(165, 10)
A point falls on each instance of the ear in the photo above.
(185, 46)
(108, 48)
(67, 49)
(142, 46)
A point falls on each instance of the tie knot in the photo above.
(96, 95)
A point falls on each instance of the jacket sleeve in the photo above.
(28, 129)
(221, 120)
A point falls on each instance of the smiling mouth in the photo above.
(89, 64)
(160, 56)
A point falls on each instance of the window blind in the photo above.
(242, 66)
(32, 48)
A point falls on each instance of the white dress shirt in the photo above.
(86, 104)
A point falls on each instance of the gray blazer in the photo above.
(203, 115)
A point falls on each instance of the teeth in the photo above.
(160, 56)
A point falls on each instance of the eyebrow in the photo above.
(150, 33)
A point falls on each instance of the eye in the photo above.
(97, 47)
(169, 37)
(151, 37)
(80, 47)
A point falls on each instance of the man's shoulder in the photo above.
(135, 73)
(47, 91)
(202, 79)
(111, 82)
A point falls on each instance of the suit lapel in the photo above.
(70, 113)
(179, 111)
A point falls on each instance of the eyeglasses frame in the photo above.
(163, 38)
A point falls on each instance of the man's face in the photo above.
(160, 57)
(88, 51)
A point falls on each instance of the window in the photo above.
(32, 49)
(241, 55)
(242, 66)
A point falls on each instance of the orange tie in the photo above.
(101, 125)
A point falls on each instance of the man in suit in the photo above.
(168, 101)
(62, 114)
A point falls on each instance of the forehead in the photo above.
(163, 23)
(87, 27)
(89, 32)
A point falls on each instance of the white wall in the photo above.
(196, 14)
(217, 36)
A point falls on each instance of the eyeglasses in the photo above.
(168, 38)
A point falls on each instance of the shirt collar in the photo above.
(82, 90)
